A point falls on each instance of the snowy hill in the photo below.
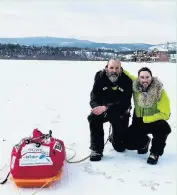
(70, 42)
(169, 46)
(55, 95)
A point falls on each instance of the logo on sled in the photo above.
(35, 159)
(32, 148)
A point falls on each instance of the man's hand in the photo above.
(98, 110)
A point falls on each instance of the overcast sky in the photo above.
(111, 21)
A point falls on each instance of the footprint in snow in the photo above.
(150, 184)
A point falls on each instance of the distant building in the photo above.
(128, 57)
(140, 53)
(141, 56)
(160, 55)
(173, 58)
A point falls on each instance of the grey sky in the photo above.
(100, 20)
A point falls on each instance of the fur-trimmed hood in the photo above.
(147, 99)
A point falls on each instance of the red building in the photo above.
(160, 55)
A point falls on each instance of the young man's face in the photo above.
(145, 79)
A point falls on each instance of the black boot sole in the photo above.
(151, 161)
(96, 158)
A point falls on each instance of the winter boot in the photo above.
(153, 159)
(145, 149)
(96, 155)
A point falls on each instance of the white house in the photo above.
(173, 58)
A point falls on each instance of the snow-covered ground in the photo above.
(55, 95)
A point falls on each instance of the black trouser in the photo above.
(136, 136)
(119, 126)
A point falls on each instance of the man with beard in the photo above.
(110, 101)
(152, 110)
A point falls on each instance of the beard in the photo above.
(144, 88)
(113, 77)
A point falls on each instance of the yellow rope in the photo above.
(43, 185)
(50, 180)
(15, 185)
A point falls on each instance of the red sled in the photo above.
(37, 161)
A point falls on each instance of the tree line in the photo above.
(16, 51)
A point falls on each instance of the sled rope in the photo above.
(17, 188)
(83, 159)
(50, 180)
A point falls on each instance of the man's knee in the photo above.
(92, 118)
(163, 126)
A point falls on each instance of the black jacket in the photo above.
(103, 94)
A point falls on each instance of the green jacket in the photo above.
(153, 105)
